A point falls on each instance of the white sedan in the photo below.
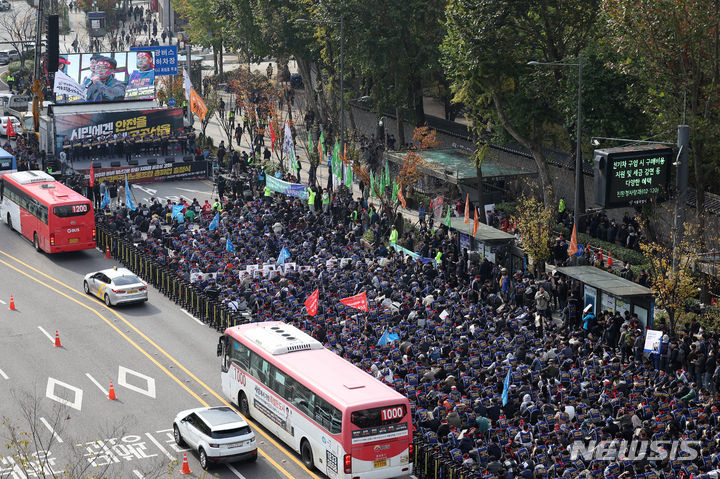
(116, 286)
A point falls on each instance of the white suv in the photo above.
(218, 434)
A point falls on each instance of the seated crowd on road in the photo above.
(463, 323)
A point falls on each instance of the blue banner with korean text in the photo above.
(165, 58)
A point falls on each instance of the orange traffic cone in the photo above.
(107, 252)
(185, 466)
(57, 340)
(609, 261)
(111, 395)
(12, 303)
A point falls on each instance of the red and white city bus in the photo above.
(51, 215)
(341, 420)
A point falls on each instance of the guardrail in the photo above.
(430, 460)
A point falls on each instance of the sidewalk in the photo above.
(215, 131)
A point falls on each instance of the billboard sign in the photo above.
(135, 123)
(166, 58)
(109, 77)
(632, 175)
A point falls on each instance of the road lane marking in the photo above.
(104, 391)
(52, 431)
(122, 381)
(3, 302)
(194, 318)
(76, 403)
(235, 471)
(138, 474)
(108, 322)
(160, 446)
(49, 336)
(281, 447)
(2, 373)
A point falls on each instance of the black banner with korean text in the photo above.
(134, 123)
(151, 173)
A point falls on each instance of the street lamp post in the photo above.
(342, 69)
(579, 183)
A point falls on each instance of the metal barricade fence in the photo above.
(429, 462)
(177, 289)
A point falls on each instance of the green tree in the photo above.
(204, 27)
(485, 53)
(534, 223)
(672, 286)
(674, 46)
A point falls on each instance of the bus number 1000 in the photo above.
(392, 413)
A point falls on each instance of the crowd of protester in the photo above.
(469, 331)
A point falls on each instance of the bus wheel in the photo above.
(307, 455)
(243, 405)
(36, 242)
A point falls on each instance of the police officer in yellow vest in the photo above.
(10, 80)
(311, 199)
(325, 201)
(438, 257)
(217, 206)
(393, 235)
(267, 192)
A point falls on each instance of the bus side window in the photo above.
(258, 367)
(239, 354)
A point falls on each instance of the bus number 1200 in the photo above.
(79, 208)
(392, 413)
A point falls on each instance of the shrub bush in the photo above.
(619, 253)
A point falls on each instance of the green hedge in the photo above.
(619, 253)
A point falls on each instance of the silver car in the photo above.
(218, 434)
(116, 286)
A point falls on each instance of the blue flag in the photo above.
(506, 389)
(283, 256)
(229, 246)
(215, 222)
(106, 199)
(128, 195)
(387, 338)
(177, 213)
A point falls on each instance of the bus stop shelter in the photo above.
(487, 241)
(608, 292)
(454, 166)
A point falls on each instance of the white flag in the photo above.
(65, 85)
(288, 144)
(187, 84)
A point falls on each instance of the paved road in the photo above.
(159, 358)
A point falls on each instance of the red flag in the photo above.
(272, 137)
(572, 249)
(311, 303)
(10, 129)
(359, 301)
(92, 175)
(467, 209)
(475, 223)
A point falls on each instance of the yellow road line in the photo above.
(117, 330)
(167, 355)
